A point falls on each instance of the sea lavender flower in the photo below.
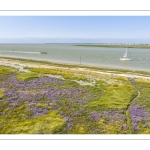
(137, 114)
(34, 91)
(95, 116)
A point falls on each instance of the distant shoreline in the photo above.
(104, 45)
(142, 46)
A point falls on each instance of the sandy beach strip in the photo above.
(21, 64)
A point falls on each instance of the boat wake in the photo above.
(20, 52)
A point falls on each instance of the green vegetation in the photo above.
(49, 105)
(64, 73)
(129, 121)
(47, 124)
(140, 116)
(1, 93)
(115, 96)
(144, 97)
(28, 75)
(115, 46)
(6, 70)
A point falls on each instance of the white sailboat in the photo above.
(126, 55)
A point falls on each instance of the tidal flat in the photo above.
(53, 98)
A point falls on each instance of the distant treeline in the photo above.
(115, 46)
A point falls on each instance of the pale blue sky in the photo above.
(27, 28)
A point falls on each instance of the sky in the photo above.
(74, 29)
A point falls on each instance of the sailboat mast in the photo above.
(125, 54)
(129, 54)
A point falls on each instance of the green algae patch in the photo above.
(28, 76)
(47, 124)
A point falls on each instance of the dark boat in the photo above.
(43, 52)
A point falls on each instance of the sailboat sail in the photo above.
(126, 56)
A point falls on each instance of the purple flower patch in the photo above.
(137, 115)
(95, 116)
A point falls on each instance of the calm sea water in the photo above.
(69, 53)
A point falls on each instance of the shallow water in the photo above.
(69, 53)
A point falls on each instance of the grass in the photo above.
(107, 128)
(115, 96)
(17, 121)
(1, 93)
(129, 121)
(142, 101)
(111, 95)
(28, 76)
(64, 73)
(6, 70)
(47, 124)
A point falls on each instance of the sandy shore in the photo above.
(21, 64)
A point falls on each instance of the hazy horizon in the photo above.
(75, 40)
(75, 29)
